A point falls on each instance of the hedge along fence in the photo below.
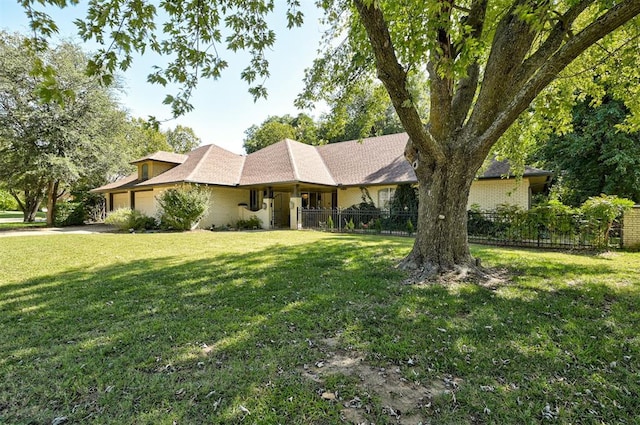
(595, 225)
(568, 231)
(358, 220)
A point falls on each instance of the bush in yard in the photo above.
(182, 208)
(126, 219)
(7, 202)
(600, 212)
(410, 227)
(349, 225)
(477, 223)
(251, 223)
(70, 214)
(378, 225)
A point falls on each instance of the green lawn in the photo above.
(267, 328)
(18, 214)
(20, 225)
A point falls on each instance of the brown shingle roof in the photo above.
(209, 164)
(499, 169)
(375, 160)
(371, 161)
(284, 162)
(124, 183)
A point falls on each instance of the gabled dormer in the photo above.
(157, 163)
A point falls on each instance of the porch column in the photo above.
(295, 204)
(267, 206)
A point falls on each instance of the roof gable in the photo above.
(283, 162)
(209, 164)
(162, 156)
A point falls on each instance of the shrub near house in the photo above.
(183, 207)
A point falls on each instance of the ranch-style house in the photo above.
(277, 181)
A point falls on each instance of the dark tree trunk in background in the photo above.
(52, 198)
(30, 206)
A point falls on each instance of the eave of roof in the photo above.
(502, 169)
(124, 183)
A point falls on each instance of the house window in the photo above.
(385, 198)
(145, 172)
(312, 200)
(254, 200)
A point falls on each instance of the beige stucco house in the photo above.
(275, 182)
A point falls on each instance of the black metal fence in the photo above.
(563, 231)
(492, 228)
(354, 220)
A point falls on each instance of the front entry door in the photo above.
(281, 217)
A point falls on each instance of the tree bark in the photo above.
(52, 198)
(30, 205)
(441, 239)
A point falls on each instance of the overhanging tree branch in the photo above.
(394, 78)
(467, 86)
(511, 43)
(617, 16)
(557, 35)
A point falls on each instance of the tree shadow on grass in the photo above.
(224, 339)
(152, 341)
(525, 352)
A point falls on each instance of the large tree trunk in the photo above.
(52, 197)
(441, 243)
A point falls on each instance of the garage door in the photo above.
(145, 202)
(120, 200)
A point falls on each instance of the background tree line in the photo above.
(64, 145)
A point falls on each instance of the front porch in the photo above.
(278, 207)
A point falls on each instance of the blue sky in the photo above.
(223, 109)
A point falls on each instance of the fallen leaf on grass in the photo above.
(328, 396)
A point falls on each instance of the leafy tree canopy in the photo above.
(182, 139)
(599, 155)
(363, 111)
(144, 138)
(48, 146)
(366, 112)
(269, 132)
(276, 128)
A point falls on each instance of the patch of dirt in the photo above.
(402, 400)
(491, 278)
